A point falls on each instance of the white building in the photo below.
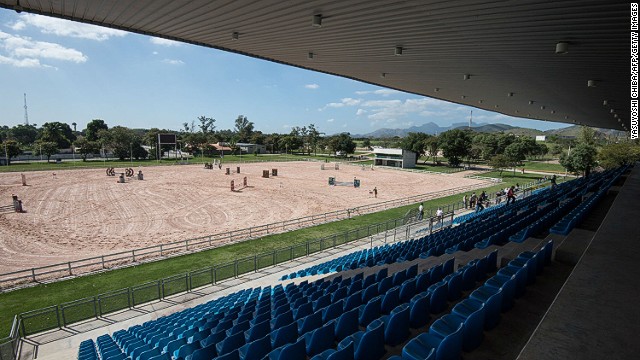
(252, 148)
(541, 138)
(394, 157)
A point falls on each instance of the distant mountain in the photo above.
(433, 129)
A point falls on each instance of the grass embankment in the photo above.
(44, 295)
(543, 166)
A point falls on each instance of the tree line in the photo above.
(195, 137)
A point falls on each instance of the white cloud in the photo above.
(382, 92)
(173, 62)
(344, 102)
(155, 53)
(164, 42)
(60, 27)
(312, 86)
(21, 51)
(330, 120)
(361, 112)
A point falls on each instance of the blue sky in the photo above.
(75, 72)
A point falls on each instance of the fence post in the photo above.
(95, 310)
(235, 269)
(69, 264)
(58, 316)
(129, 296)
(33, 274)
(255, 263)
(133, 255)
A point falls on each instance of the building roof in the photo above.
(495, 55)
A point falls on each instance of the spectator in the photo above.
(420, 212)
(511, 198)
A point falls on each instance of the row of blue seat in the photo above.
(478, 229)
(379, 297)
(568, 222)
(462, 328)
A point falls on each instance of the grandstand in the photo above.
(435, 296)
(551, 277)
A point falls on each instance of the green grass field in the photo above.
(44, 295)
(543, 166)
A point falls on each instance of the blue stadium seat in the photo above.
(370, 311)
(434, 346)
(319, 339)
(473, 314)
(257, 349)
(186, 350)
(294, 351)
(231, 343)
(345, 353)
(310, 322)
(491, 297)
(346, 324)
(368, 344)
(390, 300)
(438, 299)
(284, 335)
(204, 353)
(419, 313)
(396, 325)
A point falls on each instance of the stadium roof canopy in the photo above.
(497, 55)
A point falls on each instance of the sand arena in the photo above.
(83, 213)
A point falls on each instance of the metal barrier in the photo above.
(131, 257)
(10, 345)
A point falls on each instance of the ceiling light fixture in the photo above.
(542, 107)
(235, 35)
(591, 83)
(510, 94)
(605, 102)
(480, 101)
(562, 47)
(497, 106)
(463, 97)
(398, 51)
(383, 75)
(466, 77)
(612, 111)
(553, 111)
(317, 20)
(436, 89)
(310, 55)
(530, 102)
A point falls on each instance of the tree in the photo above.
(122, 141)
(455, 145)
(615, 155)
(46, 148)
(515, 153)
(499, 162)
(581, 159)
(313, 138)
(342, 143)
(206, 124)
(366, 143)
(86, 148)
(11, 148)
(432, 147)
(57, 132)
(93, 128)
(243, 128)
(415, 142)
(24, 134)
(588, 136)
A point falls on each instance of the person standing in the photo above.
(375, 192)
(465, 201)
(479, 206)
(420, 212)
(511, 198)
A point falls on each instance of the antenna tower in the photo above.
(470, 118)
(26, 115)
